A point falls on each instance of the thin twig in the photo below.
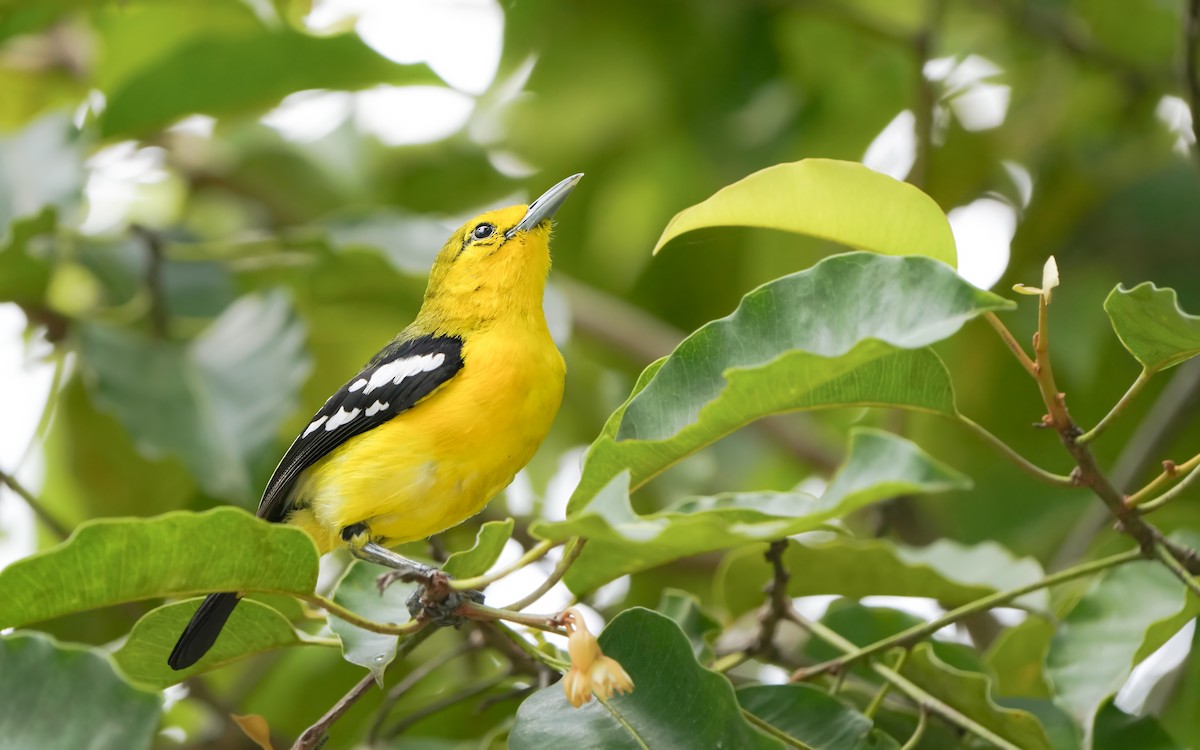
(337, 610)
(1170, 411)
(919, 732)
(1022, 463)
(48, 519)
(1171, 471)
(1191, 474)
(548, 623)
(1010, 341)
(1168, 559)
(777, 600)
(418, 673)
(314, 736)
(877, 699)
(1142, 378)
(570, 554)
(440, 705)
(534, 554)
(914, 692)
(924, 630)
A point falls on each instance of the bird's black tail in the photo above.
(200, 634)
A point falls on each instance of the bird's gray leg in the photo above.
(411, 569)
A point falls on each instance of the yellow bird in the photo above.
(436, 423)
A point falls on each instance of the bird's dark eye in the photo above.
(483, 231)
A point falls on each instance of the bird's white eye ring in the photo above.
(483, 231)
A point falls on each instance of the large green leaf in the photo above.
(357, 592)
(834, 200)
(253, 627)
(109, 562)
(235, 74)
(852, 330)
(1151, 325)
(970, 694)
(950, 572)
(216, 402)
(675, 701)
(620, 541)
(1124, 617)
(812, 716)
(54, 696)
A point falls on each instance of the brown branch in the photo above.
(1088, 473)
(314, 736)
(777, 603)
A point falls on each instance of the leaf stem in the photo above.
(912, 635)
(918, 733)
(775, 732)
(575, 547)
(535, 553)
(483, 612)
(1177, 568)
(1022, 463)
(884, 689)
(1140, 499)
(337, 610)
(1012, 343)
(1142, 378)
(918, 695)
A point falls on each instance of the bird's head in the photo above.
(494, 265)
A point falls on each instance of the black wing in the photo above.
(392, 382)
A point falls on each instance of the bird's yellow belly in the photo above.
(439, 463)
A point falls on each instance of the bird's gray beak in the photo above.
(544, 207)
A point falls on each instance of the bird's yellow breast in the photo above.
(440, 462)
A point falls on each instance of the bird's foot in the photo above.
(435, 601)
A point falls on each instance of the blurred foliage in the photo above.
(205, 282)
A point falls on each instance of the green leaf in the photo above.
(357, 592)
(1018, 655)
(56, 696)
(489, 543)
(950, 572)
(1124, 617)
(970, 694)
(851, 331)
(253, 627)
(1117, 730)
(834, 200)
(216, 402)
(108, 562)
(238, 74)
(620, 541)
(675, 702)
(1151, 325)
(810, 715)
(699, 626)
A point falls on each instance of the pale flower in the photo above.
(591, 671)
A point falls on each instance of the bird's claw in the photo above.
(433, 600)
